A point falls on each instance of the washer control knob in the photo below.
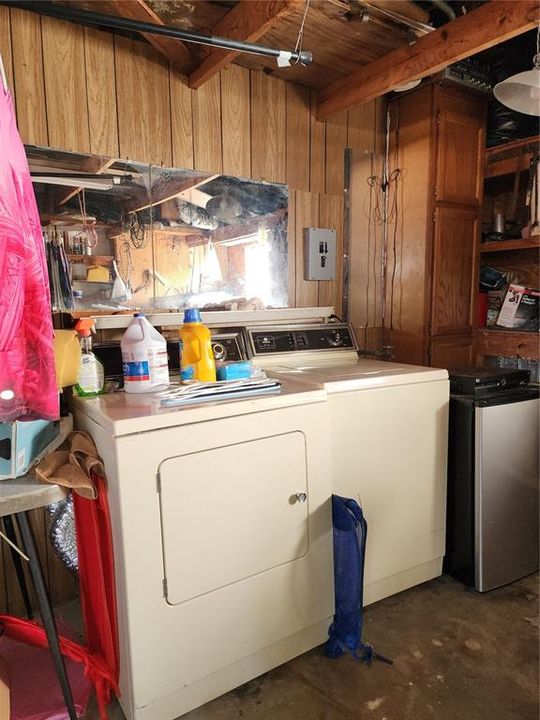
(301, 497)
(220, 353)
(335, 338)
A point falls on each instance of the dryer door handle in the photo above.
(301, 497)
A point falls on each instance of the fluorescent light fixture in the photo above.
(105, 184)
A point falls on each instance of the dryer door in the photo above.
(246, 513)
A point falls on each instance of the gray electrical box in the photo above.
(319, 254)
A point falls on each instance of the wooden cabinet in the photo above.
(461, 120)
(454, 252)
(437, 145)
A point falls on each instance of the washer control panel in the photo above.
(296, 339)
(228, 346)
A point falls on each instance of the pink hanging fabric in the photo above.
(27, 373)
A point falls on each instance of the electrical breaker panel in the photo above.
(319, 254)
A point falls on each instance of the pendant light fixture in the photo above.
(521, 92)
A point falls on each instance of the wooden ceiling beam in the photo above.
(174, 50)
(490, 24)
(248, 21)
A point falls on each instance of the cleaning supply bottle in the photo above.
(196, 359)
(144, 357)
(91, 379)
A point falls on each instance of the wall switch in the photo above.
(319, 254)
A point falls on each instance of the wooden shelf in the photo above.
(507, 343)
(508, 166)
(513, 146)
(503, 245)
(503, 159)
(90, 259)
(179, 231)
(76, 314)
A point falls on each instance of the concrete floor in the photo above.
(458, 655)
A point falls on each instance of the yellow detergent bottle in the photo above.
(196, 359)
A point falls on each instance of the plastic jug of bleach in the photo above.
(196, 359)
(144, 357)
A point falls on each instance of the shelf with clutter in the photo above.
(508, 324)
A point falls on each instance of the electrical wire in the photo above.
(383, 212)
(137, 232)
(371, 185)
(394, 212)
(88, 234)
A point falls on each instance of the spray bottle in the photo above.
(91, 380)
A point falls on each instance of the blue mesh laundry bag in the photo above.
(350, 536)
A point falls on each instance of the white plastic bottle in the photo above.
(144, 357)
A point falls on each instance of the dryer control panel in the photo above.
(265, 341)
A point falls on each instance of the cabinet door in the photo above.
(451, 352)
(237, 518)
(460, 148)
(454, 270)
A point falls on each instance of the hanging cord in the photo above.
(371, 185)
(393, 217)
(384, 187)
(88, 234)
(393, 213)
(300, 38)
(383, 211)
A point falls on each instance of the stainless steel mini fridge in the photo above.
(493, 477)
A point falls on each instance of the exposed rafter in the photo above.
(174, 50)
(490, 24)
(248, 21)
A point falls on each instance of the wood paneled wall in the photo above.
(84, 90)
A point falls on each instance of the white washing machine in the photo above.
(221, 520)
(389, 436)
